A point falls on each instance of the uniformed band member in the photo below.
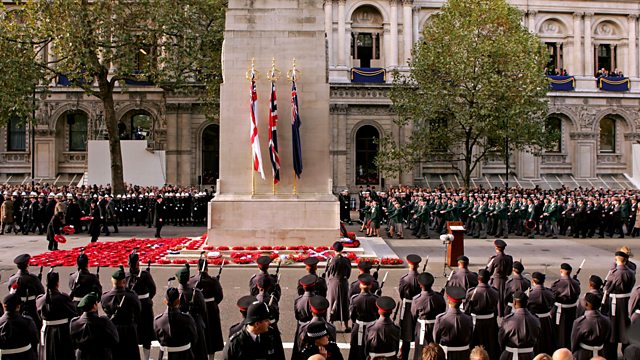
(213, 295)
(617, 290)
(93, 337)
(18, 333)
(408, 288)
(83, 282)
(122, 306)
(192, 303)
(567, 293)
(141, 283)
(174, 329)
(462, 276)
(541, 302)
(27, 286)
(317, 342)
(263, 265)
(257, 340)
(338, 273)
(481, 303)
(500, 267)
(243, 304)
(55, 309)
(363, 313)
(590, 331)
(424, 308)
(382, 340)
(453, 328)
(311, 266)
(519, 331)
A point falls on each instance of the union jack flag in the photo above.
(255, 141)
(273, 135)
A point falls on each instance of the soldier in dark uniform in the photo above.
(311, 266)
(481, 303)
(363, 313)
(500, 267)
(302, 310)
(517, 283)
(93, 337)
(382, 340)
(590, 331)
(83, 282)
(263, 265)
(408, 288)
(122, 306)
(175, 330)
(142, 284)
(213, 295)
(27, 286)
(192, 302)
(462, 276)
(364, 267)
(617, 289)
(319, 306)
(159, 215)
(567, 293)
(595, 287)
(424, 308)
(541, 302)
(453, 328)
(519, 331)
(55, 310)
(317, 342)
(345, 210)
(338, 273)
(256, 340)
(634, 305)
(18, 333)
(243, 304)
(267, 295)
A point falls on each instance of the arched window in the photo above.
(210, 154)
(607, 135)
(77, 123)
(366, 36)
(553, 127)
(366, 151)
(140, 126)
(16, 135)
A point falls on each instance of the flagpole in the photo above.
(251, 75)
(292, 75)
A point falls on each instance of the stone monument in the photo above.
(248, 210)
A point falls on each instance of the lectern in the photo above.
(456, 246)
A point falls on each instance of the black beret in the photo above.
(263, 261)
(520, 295)
(11, 301)
(385, 303)
(133, 258)
(318, 304)
(538, 276)
(245, 301)
(593, 299)
(22, 259)
(337, 246)
(82, 261)
(565, 266)
(308, 280)
(622, 253)
(119, 274)
(413, 259)
(517, 265)
(88, 301)
(172, 295)
(425, 279)
(311, 260)
(455, 293)
(316, 330)
(500, 243)
(365, 279)
(596, 281)
(463, 259)
(53, 278)
(256, 312)
(183, 274)
(365, 265)
(484, 274)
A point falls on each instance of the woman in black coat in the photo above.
(95, 223)
(54, 228)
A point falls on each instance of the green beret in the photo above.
(183, 274)
(88, 300)
(119, 274)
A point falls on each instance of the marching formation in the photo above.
(498, 310)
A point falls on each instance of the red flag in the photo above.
(255, 141)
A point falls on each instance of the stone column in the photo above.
(588, 47)
(386, 45)
(328, 29)
(532, 21)
(416, 23)
(632, 66)
(407, 30)
(341, 33)
(393, 61)
(184, 146)
(577, 62)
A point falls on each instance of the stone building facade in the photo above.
(598, 128)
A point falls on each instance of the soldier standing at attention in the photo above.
(541, 302)
(213, 295)
(500, 267)
(338, 273)
(481, 303)
(424, 308)
(142, 284)
(364, 267)
(519, 331)
(83, 282)
(27, 286)
(192, 303)
(174, 329)
(516, 283)
(408, 288)
(567, 293)
(382, 339)
(122, 307)
(263, 265)
(363, 313)
(453, 328)
(55, 310)
(311, 266)
(93, 337)
(617, 290)
(18, 333)
(302, 310)
(462, 276)
(590, 331)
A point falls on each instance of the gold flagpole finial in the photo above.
(252, 73)
(293, 74)
(274, 74)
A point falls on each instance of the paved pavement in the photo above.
(535, 253)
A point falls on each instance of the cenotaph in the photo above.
(248, 210)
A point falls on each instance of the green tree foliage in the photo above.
(476, 78)
(98, 45)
